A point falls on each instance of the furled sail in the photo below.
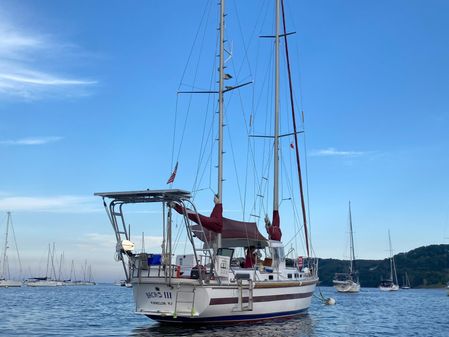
(233, 233)
(274, 229)
(236, 234)
(214, 222)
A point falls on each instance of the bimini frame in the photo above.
(122, 232)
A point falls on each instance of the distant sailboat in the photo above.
(87, 280)
(390, 284)
(406, 282)
(348, 282)
(47, 280)
(5, 280)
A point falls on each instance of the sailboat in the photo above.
(209, 284)
(348, 282)
(406, 282)
(49, 280)
(5, 280)
(390, 284)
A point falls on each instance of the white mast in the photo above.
(220, 111)
(391, 257)
(392, 265)
(276, 113)
(352, 255)
(48, 261)
(4, 270)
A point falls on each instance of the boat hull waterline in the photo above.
(10, 283)
(394, 287)
(192, 303)
(347, 287)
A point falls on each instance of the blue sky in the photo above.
(88, 98)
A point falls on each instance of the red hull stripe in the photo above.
(269, 298)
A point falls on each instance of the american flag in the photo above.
(173, 175)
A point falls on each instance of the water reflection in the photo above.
(299, 327)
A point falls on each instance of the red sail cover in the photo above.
(214, 222)
(236, 234)
(274, 231)
(233, 233)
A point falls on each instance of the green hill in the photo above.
(426, 267)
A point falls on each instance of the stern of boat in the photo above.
(164, 300)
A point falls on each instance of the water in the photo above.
(106, 310)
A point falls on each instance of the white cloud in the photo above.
(25, 60)
(332, 152)
(31, 141)
(64, 203)
(28, 77)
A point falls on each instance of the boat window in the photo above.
(225, 252)
(278, 255)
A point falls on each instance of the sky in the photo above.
(88, 103)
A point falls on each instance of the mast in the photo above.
(276, 113)
(392, 265)
(298, 164)
(48, 261)
(352, 254)
(60, 267)
(6, 245)
(53, 262)
(220, 110)
(72, 272)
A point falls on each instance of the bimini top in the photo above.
(146, 195)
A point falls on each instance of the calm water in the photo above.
(106, 310)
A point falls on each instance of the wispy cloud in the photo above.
(332, 152)
(54, 204)
(25, 62)
(31, 141)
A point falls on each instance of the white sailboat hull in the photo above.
(188, 301)
(10, 283)
(393, 287)
(45, 284)
(347, 286)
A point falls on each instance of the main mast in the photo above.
(4, 266)
(351, 267)
(276, 112)
(220, 111)
(391, 257)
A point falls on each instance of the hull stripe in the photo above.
(268, 298)
(228, 319)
